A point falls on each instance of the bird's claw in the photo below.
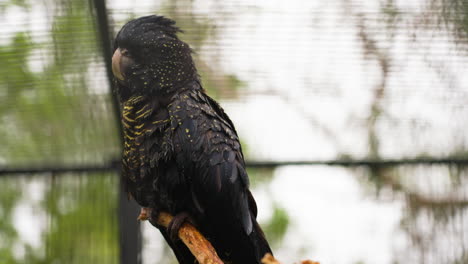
(145, 214)
(176, 223)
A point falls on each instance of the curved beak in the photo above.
(116, 64)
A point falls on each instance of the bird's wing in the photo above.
(209, 154)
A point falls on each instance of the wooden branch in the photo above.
(200, 247)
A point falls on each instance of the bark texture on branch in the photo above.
(200, 247)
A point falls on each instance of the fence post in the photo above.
(129, 227)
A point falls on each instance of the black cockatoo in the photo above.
(181, 154)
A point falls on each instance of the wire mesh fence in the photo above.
(372, 94)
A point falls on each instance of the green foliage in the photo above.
(8, 199)
(58, 94)
(19, 3)
(81, 226)
(454, 14)
(276, 228)
(277, 225)
(50, 115)
(360, 262)
(260, 176)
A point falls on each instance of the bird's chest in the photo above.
(146, 140)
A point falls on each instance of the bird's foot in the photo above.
(145, 214)
(176, 223)
(153, 217)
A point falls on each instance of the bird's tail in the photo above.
(246, 249)
(260, 244)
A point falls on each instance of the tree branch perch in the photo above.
(200, 247)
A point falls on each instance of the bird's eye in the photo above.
(125, 52)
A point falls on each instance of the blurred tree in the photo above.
(82, 226)
(52, 114)
(431, 215)
(276, 228)
(9, 196)
(451, 16)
